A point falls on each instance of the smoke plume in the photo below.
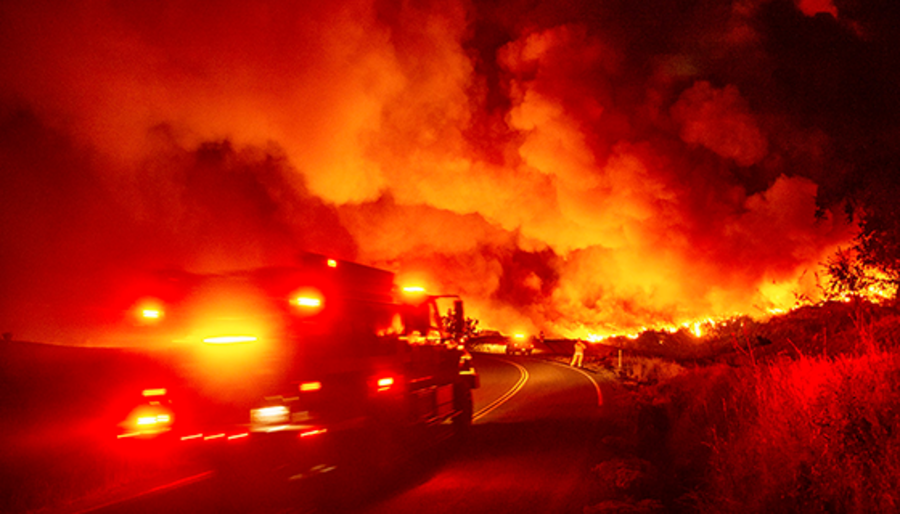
(577, 168)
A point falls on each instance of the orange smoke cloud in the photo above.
(569, 169)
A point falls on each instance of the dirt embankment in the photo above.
(60, 407)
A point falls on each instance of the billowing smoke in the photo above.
(587, 168)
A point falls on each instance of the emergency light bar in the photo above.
(230, 339)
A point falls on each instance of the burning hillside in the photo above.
(587, 168)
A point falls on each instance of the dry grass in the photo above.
(805, 435)
(808, 423)
(817, 436)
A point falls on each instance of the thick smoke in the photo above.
(591, 167)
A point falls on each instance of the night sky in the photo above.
(569, 166)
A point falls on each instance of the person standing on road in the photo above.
(578, 356)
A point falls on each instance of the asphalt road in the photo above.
(531, 453)
(534, 441)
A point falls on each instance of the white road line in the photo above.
(487, 409)
(588, 376)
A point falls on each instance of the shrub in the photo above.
(650, 370)
(814, 436)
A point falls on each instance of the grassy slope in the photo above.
(804, 422)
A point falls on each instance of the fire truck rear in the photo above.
(301, 369)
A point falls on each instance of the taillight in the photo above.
(159, 419)
(384, 383)
(275, 414)
(149, 311)
(147, 420)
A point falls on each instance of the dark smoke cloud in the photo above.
(576, 167)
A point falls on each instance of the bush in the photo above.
(650, 370)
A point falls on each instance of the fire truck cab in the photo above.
(305, 369)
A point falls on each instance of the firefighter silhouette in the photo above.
(578, 355)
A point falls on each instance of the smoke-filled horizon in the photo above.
(577, 168)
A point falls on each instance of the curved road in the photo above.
(534, 440)
(530, 451)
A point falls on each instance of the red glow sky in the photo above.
(572, 167)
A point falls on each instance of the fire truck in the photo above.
(301, 369)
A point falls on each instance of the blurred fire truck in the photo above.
(302, 369)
